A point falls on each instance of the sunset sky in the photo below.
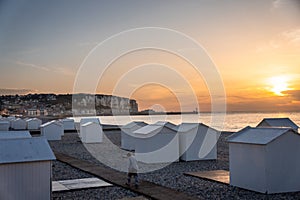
(255, 46)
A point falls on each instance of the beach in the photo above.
(171, 176)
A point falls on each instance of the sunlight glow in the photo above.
(278, 85)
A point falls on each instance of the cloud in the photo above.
(289, 39)
(292, 36)
(14, 91)
(33, 66)
(294, 94)
(284, 3)
(58, 70)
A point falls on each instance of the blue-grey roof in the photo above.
(54, 122)
(166, 124)
(134, 124)
(279, 122)
(25, 150)
(186, 127)
(33, 119)
(158, 126)
(67, 120)
(14, 134)
(259, 136)
(89, 123)
(89, 119)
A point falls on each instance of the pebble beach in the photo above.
(171, 176)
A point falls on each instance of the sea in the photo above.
(230, 122)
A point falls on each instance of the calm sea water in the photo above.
(225, 122)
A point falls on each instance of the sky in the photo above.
(254, 45)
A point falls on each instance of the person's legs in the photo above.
(136, 180)
(129, 178)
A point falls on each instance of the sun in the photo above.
(278, 85)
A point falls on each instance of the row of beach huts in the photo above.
(263, 158)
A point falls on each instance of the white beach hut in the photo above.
(91, 132)
(157, 143)
(86, 120)
(127, 135)
(33, 123)
(18, 124)
(278, 122)
(4, 125)
(52, 130)
(68, 124)
(14, 134)
(25, 169)
(265, 159)
(197, 142)
(10, 119)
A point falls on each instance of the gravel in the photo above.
(170, 176)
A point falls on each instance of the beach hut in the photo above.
(14, 134)
(4, 125)
(68, 124)
(18, 124)
(91, 132)
(86, 120)
(197, 142)
(33, 123)
(278, 122)
(157, 143)
(52, 130)
(25, 168)
(127, 136)
(265, 160)
(10, 119)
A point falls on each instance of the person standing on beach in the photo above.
(132, 169)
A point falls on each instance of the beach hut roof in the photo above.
(166, 124)
(18, 119)
(33, 119)
(50, 123)
(154, 127)
(25, 150)
(90, 119)
(135, 123)
(14, 134)
(67, 120)
(282, 122)
(89, 123)
(261, 136)
(185, 127)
